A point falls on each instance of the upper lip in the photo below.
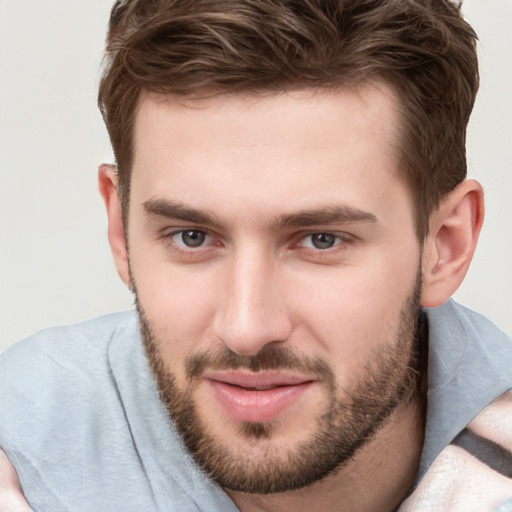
(262, 379)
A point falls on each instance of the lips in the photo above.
(256, 397)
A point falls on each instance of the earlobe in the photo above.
(107, 184)
(449, 248)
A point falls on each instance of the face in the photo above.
(276, 268)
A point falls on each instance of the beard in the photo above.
(350, 421)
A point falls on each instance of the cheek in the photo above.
(179, 305)
(353, 311)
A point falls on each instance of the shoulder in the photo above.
(61, 347)
(468, 356)
(451, 314)
(457, 325)
(56, 367)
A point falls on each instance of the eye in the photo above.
(321, 241)
(190, 238)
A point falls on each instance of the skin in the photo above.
(11, 497)
(249, 162)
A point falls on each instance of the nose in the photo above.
(252, 311)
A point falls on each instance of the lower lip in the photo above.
(248, 405)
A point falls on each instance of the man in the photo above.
(290, 210)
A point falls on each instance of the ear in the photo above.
(107, 184)
(451, 243)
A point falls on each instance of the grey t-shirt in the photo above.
(81, 420)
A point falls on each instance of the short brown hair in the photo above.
(422, 48)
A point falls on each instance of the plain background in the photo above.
(55, 264)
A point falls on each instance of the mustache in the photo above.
(269, 358)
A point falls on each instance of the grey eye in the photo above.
(323, 240)
(191, 237)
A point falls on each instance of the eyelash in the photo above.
(181, 247)
(341, 240)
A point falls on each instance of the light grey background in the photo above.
(55, 265)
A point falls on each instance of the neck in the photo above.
(375, 480)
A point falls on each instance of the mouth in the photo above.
(256, 397)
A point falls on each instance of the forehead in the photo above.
(275, 150)
(257, 118)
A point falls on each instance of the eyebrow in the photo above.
(175, 210)
(326, 215)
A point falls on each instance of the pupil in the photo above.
(193, 238)
(323, 240)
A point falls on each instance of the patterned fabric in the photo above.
(474, 472)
